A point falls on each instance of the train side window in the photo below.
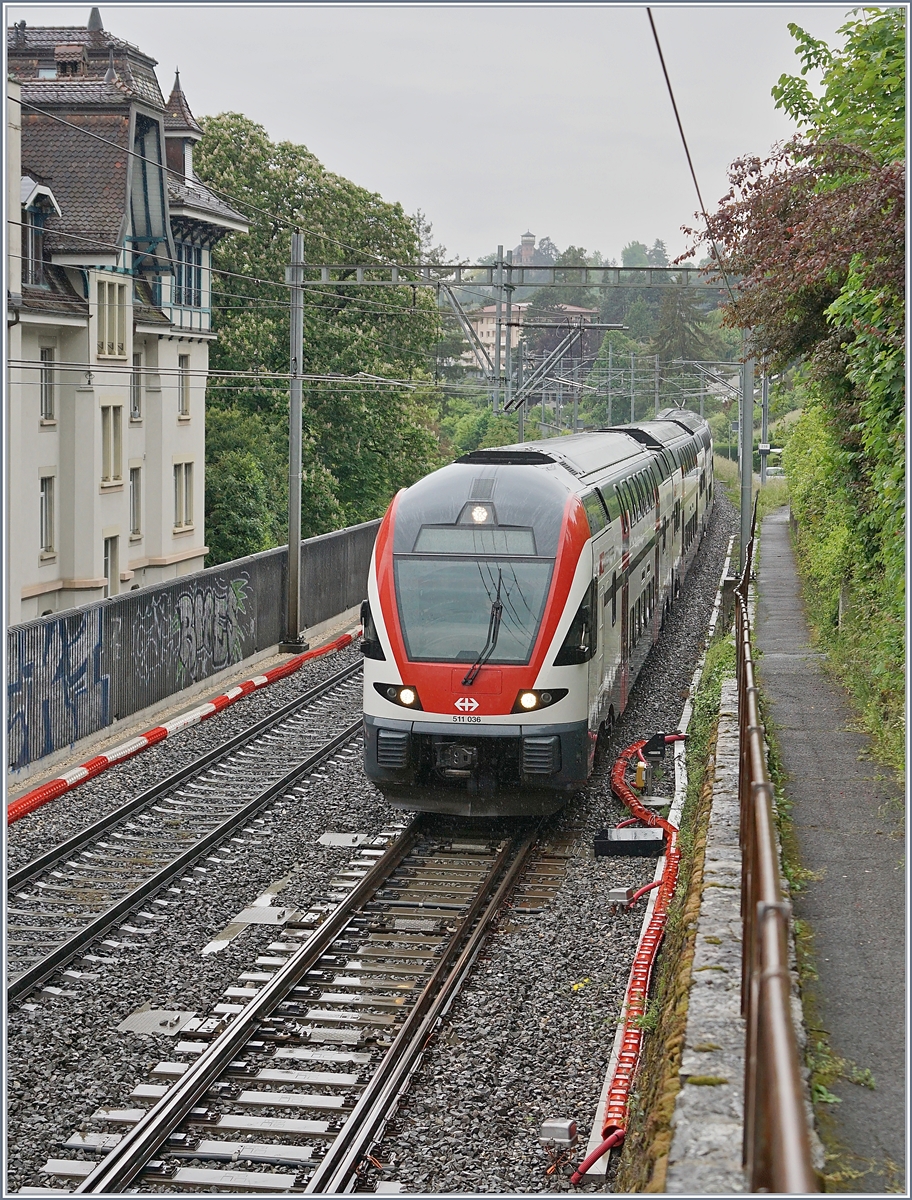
(634, 486)
(580, 642)
(610, 500)
(595, 511)
(625, 503)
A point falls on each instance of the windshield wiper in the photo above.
(493, 631)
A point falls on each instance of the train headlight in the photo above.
(480, 514)
(398, 693)
(532, 699)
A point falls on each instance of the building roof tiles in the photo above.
(88, 177)
(177, 111)
(198, 197)
(58, 296)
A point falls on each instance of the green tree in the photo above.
(237, 507)
(635, 254)
(362, 440)
(639, 320)
(817, 234)
(864, 85)
(658, 255)
(681, 331)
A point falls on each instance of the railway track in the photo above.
(309, 1055)
(64, 899)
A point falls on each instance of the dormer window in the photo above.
(33, 246)
(70, 59)
(38, 204)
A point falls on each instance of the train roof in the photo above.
(579, 453)
(595, 451)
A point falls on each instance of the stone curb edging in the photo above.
(708, 1120)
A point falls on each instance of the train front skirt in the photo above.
(494, 770)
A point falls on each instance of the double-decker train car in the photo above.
(513, 597)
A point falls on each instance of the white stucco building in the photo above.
(108, 321)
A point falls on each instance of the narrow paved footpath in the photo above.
(846, 818)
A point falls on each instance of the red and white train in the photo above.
(512, 598)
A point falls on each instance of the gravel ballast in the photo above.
(529, 1036)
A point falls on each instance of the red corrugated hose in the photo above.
(614, 1125)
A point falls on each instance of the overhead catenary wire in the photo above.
(291, 224)
(693, 173)
(178, 373)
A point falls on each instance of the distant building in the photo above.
(484, 322)
(524, 254)
(109, 321)
(527, 255)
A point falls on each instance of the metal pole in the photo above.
(610, 380)
(560, 393)
(764, 426)
(498, 326)
(657, 386)
(293, 643)
(519, 383)
(632, 418)
(702, 389)
(746, 452)
(509, 360)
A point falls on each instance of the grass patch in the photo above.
(773, 494)
(644, 1158)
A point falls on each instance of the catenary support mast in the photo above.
(294, 643)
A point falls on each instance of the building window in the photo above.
(183, 385)
(135, 501)
(136, 389)
(46, 514)
(183, 495)
(112, 314)
(33, 246)
(111, 572)
(188, 275)
(111, 443)
(47, 381)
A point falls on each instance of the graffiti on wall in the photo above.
(58, 690)
(211, 625)
(75, 673)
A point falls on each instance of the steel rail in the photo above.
(776, 1150)
(64, 849)
(372, 1109)
(128, 1158)
(46, 966)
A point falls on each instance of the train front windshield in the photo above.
(445, 605)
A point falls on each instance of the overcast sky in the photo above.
(492, 119)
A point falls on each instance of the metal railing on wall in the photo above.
(777, 1150)
(76, 672)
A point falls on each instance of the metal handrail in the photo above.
(777, 1148)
